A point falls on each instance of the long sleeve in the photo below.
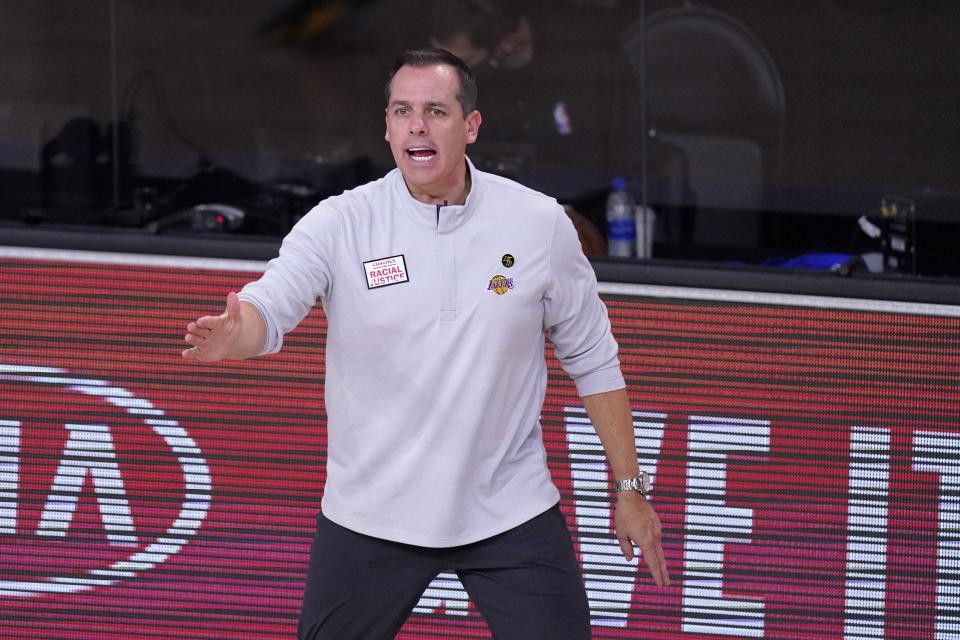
(297, 277)
(576, 318)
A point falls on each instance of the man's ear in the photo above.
(386, 126)
(473, 126)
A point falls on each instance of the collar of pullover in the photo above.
(450, 216)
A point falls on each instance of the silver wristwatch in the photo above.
(639, 483)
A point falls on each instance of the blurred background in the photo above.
(821, 134)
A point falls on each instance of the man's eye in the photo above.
(401, 111)
(437, 112)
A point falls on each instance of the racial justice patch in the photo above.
(384, 272)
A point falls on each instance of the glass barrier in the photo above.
(810, 137)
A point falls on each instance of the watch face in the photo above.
(644, 482)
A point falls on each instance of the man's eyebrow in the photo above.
(406, 103)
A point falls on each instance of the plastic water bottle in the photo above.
(621, 229)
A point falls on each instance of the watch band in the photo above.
(639, 483)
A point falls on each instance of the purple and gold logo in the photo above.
(500, 284)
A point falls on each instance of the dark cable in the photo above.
(129, 100)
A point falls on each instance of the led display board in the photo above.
(805, 455)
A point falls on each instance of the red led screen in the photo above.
(806, 466)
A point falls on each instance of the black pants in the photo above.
(525, 582)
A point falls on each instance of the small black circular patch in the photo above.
(507, 260)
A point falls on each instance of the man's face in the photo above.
(428, 132)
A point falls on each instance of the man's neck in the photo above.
(456, 195)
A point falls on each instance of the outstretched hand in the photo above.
(212, 337)
(637, 523)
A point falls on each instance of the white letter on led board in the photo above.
(711, 524)
(89, 450)
(608, 577)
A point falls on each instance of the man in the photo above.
(438, 281)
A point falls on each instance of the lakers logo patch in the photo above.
(500, 284)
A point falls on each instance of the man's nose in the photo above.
(418, 125)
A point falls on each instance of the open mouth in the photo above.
(421, 154)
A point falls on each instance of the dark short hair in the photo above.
(420, 58)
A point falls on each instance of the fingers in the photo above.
(190, 354)
(201, 349)
(196, 343)
(207, 322)
(233, 312)
(197, 335)
(653, 556)
(652, 553)
(194, 328)
(206, 335)
(641, 526)
(626, 546)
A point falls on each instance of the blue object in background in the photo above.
(821, 261)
